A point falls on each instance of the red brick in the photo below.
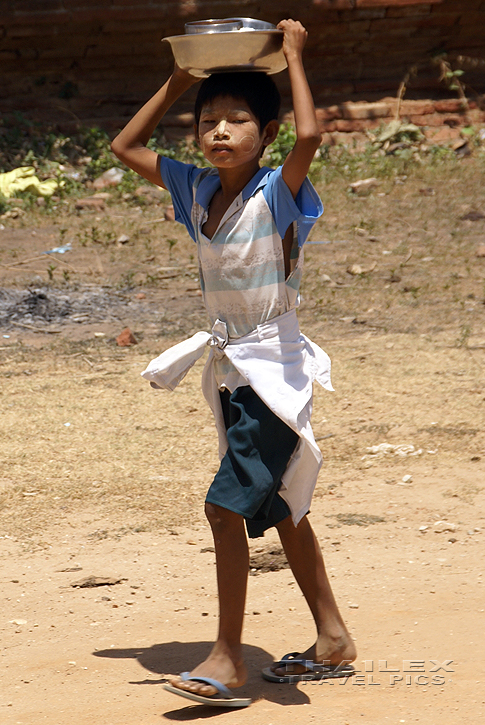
(447, 20)
(6, 55)
(41, 6)
(372, 3)
(418, 108)
(336, 89)
(473, 19)
(348, 126)
(365, 111)
(330, 113)
(394, 26)
(134, 26)
(92, 4)
(452, 105)
(432, 119)
(328, 127)
(358, 27)
(442, 134)
(43, 19)
(406, 11)
(333, 4)
(374, 86)
(325, 30)
(370, 14)
(29, 31)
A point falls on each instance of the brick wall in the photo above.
(98, 60)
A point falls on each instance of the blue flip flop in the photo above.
(314, 670)
(223, 698)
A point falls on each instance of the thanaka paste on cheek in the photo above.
(248, 143)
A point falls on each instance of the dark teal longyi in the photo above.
(260, 447)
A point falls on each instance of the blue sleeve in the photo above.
(179, 179)
(304, 210)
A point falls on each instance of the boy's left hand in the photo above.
(294, 38)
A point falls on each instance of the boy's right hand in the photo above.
(184, 75)
(294, 38)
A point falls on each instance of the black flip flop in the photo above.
(314, 670)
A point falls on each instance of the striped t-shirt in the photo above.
(242, 270)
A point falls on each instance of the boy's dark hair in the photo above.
(256, 88)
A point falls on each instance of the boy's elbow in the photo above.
(315, 140)
(310, 142)
(117, 148)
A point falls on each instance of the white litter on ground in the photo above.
(387, 449)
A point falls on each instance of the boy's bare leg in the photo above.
(225, 661)
(334, 643)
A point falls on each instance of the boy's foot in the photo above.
(218, 667)
(332, 652)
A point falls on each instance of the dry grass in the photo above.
(407, 341)
(143, 459)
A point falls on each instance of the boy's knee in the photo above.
(220, 518)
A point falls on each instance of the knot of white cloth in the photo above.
(219, 339)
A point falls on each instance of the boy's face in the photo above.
(229, 133)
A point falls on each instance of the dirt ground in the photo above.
(103, 477)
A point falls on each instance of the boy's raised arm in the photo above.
(130, 144)
(308, 137)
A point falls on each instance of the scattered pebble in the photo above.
(363, 187)
(90, 202)
(126, 338)
(356, 269)
(110, 177)
(440, 527)
(473, 216)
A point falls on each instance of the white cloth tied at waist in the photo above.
(280, 364)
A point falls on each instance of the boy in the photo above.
(249, 224)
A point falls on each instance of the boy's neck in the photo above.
(234, 180)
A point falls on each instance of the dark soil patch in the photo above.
(264, 561)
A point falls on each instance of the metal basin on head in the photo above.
(228, 44)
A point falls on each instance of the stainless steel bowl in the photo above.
(227, 24)
(229, 44)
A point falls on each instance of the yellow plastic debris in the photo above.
(24, 178)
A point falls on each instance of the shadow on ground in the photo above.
(175, 657)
